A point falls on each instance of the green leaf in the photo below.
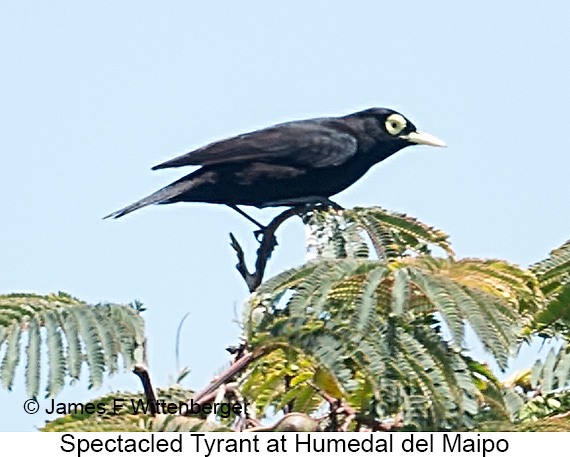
(93, 351)
(75, 331)
(57, 363)
(12, 355)
(33, 353)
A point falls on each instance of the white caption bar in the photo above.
(273, 444)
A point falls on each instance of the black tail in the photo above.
(161, 196)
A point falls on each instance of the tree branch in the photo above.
(142, 372)
(238, 365)
(266, 246)
(207, 393)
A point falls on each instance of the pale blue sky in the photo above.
(92, 94)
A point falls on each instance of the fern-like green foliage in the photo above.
(553, 319)
(391, 235)
(550, 424)
(73, 332)
(554, 271)
(385, 323)
(285, 378)
(542, 412)
(553, 275)
(554, 373)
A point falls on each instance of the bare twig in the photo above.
(208, 393)
(177, 351)
(142, 372)
(560, 416)
(347, 421)
(266, 246)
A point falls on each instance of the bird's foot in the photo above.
(323, 203)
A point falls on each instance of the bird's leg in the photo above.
(298, 208)
(248, 217)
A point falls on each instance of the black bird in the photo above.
(295, 163)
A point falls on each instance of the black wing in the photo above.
(307, 143)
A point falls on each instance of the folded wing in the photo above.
(305, 143)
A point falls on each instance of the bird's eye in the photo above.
(395, 123)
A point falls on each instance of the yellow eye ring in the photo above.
(395, 123)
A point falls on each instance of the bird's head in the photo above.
(387, 125)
